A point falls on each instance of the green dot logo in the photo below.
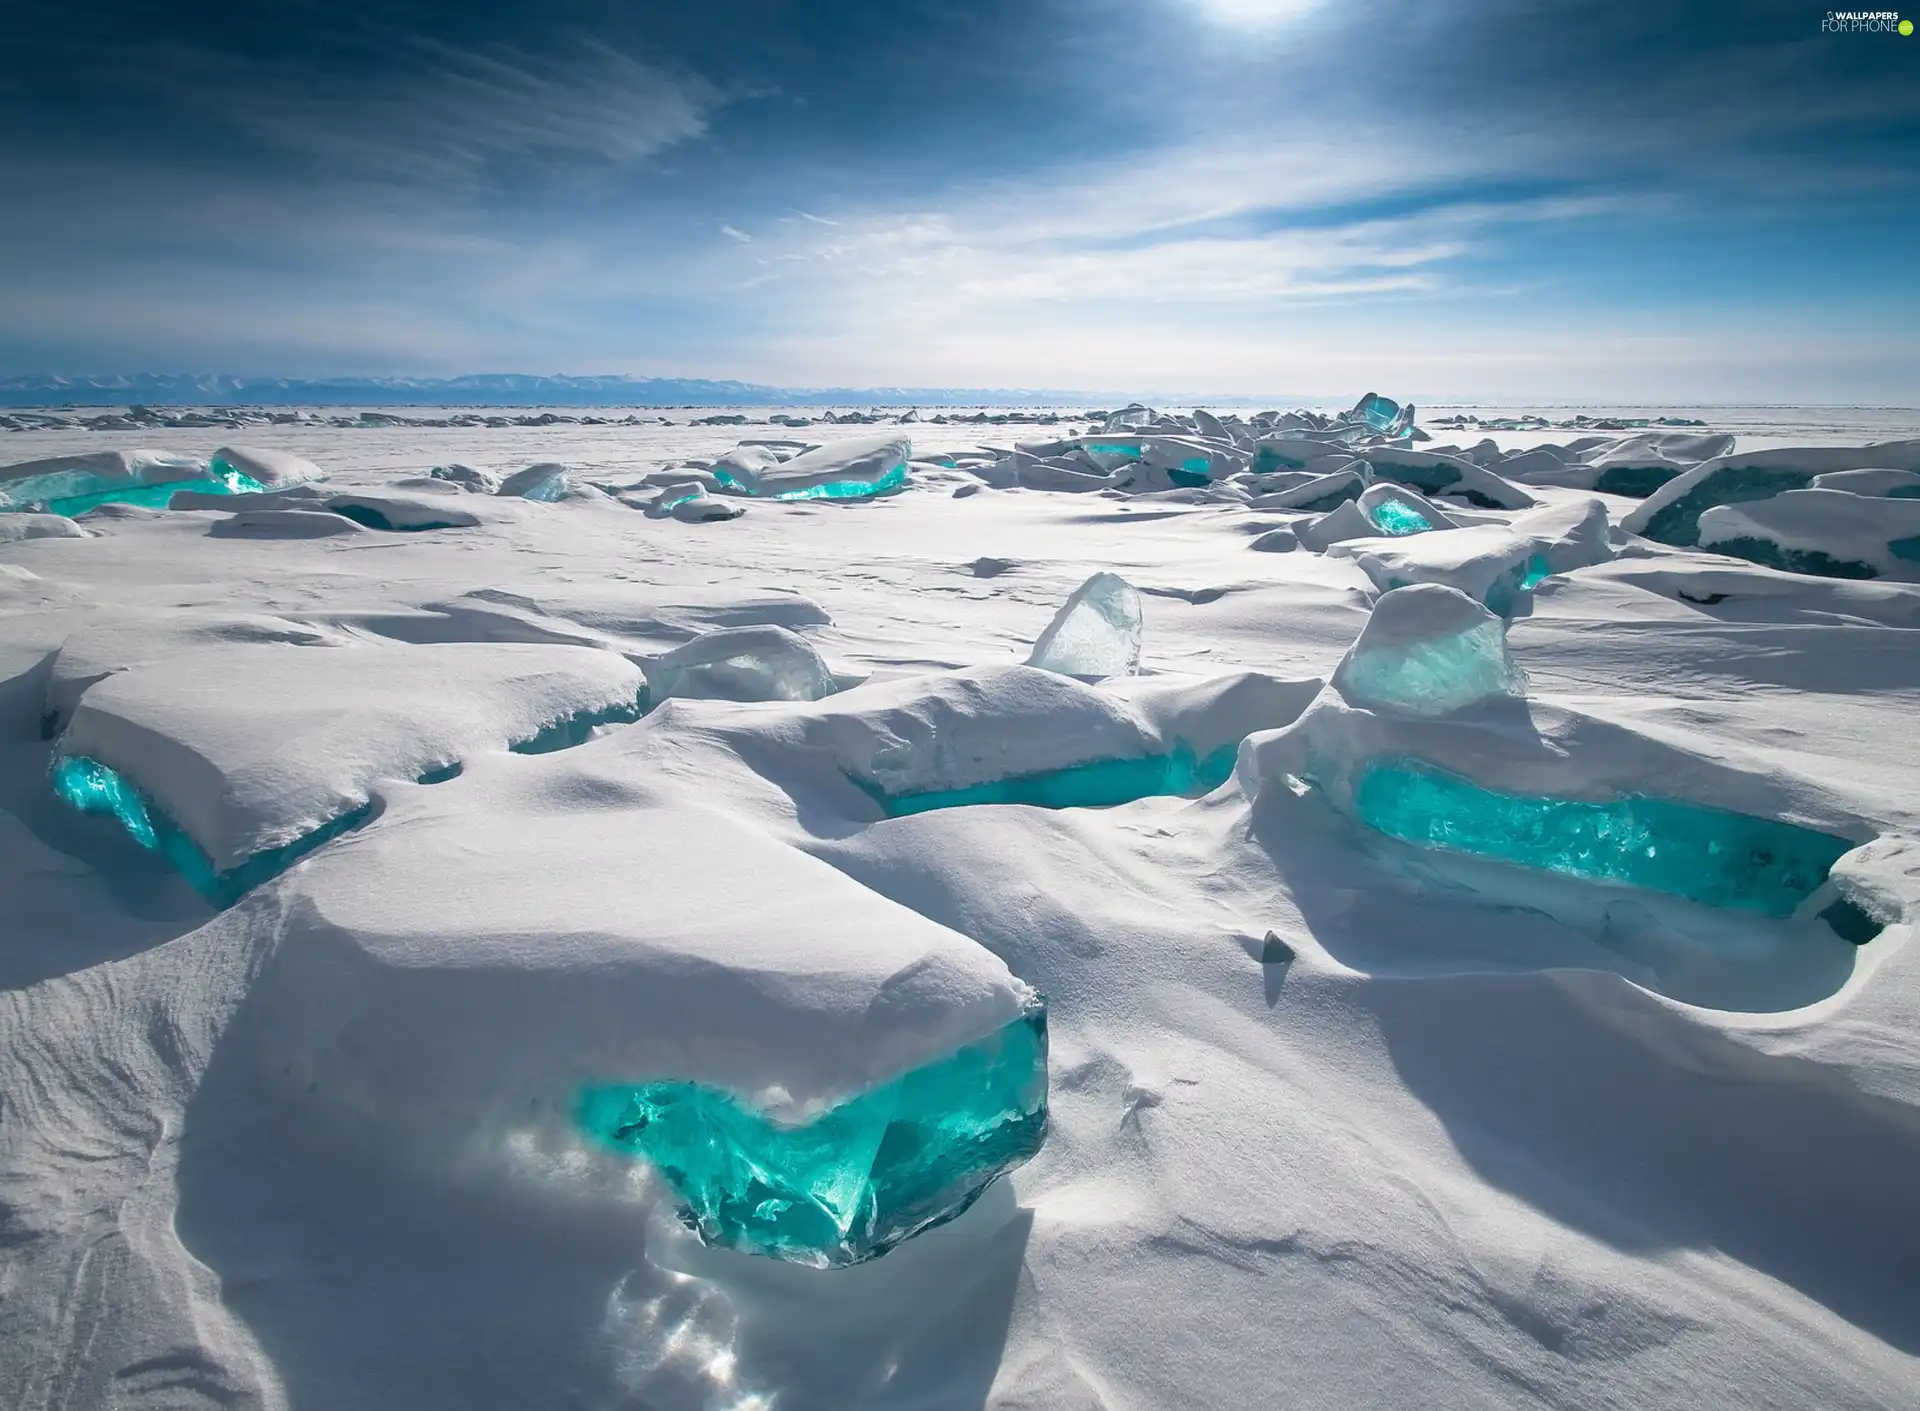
(1906, 27)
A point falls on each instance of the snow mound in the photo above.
(1890, 484)
(501, 949)
(467, 477)
(250, 748)
(1491, 564)
(1831, 533)
(1436, 473)
(1428, 650)
(26, 525)
(546, 482)
(268, 469)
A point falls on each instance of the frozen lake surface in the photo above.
(1530, 1019)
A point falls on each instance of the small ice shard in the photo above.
(1428, 650)
(855, 1181)
(467, 477)
(1096, 633)
(546, 482)
(1707, 855)
(248, 468)
(741, 664)
(858, 468)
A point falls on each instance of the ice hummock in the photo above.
(72, 484)
(1428, 650)
(1096, 632)
(1490, 563)
(855, 1181)
(857, 468)
(761, 663)
(1672, 513)
(263, 467)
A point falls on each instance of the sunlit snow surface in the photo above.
(1529, 1023)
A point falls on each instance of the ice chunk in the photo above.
(1397, 511)
(1316, 494)
(1829, 533)
(1671, 515)
(1428, 650)
(858, 1179)
(741, 664)
(1383, 414)
(1096, 632)
(1436, 473)
(467, 477)
(1346, 521)
(1707, 855)
(1572, 534)
(857, 468)
(72, 484)
(546, 482)
(689, 502)
(255, 467)
(1487, 562)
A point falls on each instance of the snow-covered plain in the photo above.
(1334, 1121)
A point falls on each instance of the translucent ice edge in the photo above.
(1678, 523)
(92, 787)
(1505, 594)
(1398, 518)
(1707, 855)
(855, 1181)
(1104, 783)
(578, 728)
(1435, 676)
(155, 497)
(833, 489)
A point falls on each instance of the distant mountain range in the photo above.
(493, 390)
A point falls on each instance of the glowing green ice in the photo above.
(92, 787)
(1104, 783)
(1537, 572)
(1705, 854)
(156, 497)
(1398, 518)
(833, 489)
(858, 1179)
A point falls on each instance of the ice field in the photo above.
(1142, 910)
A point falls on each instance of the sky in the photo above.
(1528, 200)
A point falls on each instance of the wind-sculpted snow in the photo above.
(1672, 514)
(1829, 532)
(855, 1181)
(1501, 1007)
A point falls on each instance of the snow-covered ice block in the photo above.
(1888, 484)
(265, 468)
(1490, 563)
(1634, 465)
(1572, 534)
(1316, 494)
(741, 664)
(1672, 513)
(1287, 451)
(513, 971)
(71, 484)
(1096, 632)
(467, 477)
(1829, 533)
(1428, 650)
(855, 468)
(1345, 521)
(411, 512)
(1433, 473)
(1396, 511)
(24, 525)
(249, 749)
(546, 482)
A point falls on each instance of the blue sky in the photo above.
(1539, 201)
